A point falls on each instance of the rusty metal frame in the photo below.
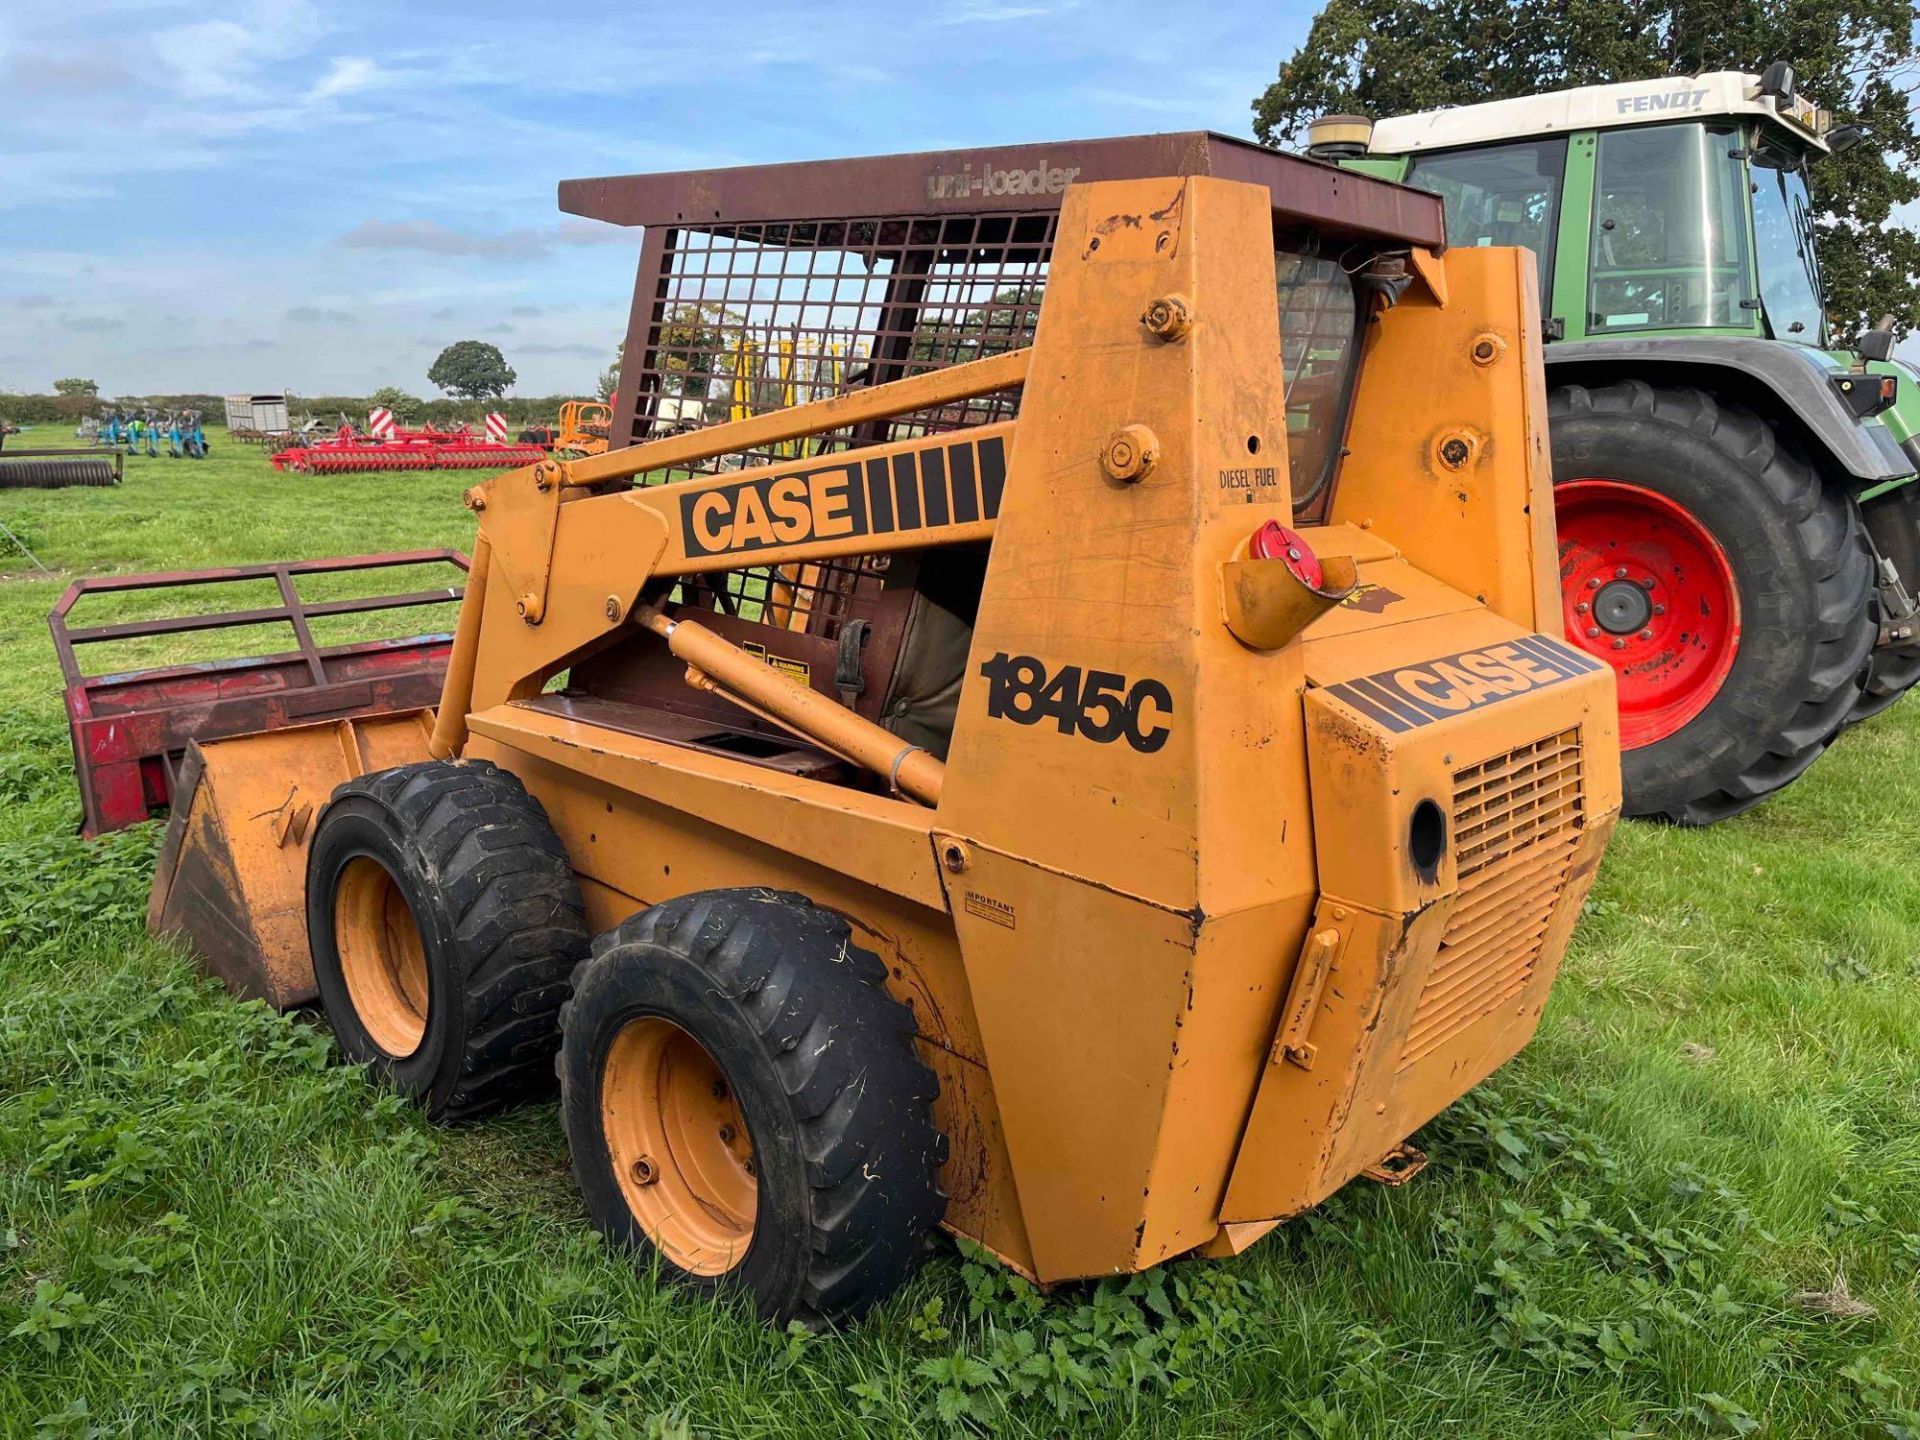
(131, 729)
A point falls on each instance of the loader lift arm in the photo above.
(614, 547)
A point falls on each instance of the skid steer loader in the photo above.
(1000, 813)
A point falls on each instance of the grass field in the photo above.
(1691, 1208)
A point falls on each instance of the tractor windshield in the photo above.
(1784, 239)
(1669, 239)
(1500, 195)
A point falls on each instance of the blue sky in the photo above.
(321, 195)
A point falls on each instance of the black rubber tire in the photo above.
(1801, 566)
(1891, 672)
(820, 1058)
(499, 916)
(1892, 523)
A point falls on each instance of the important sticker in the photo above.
(1414, 695)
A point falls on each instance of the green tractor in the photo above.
(1738, 535)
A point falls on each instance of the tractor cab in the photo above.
(1653, 207)
(1671, 227)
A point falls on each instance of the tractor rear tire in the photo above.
(1703, 559)
(444, 920)
(743, 1103)
(1893, 524)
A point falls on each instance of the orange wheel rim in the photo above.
(382, 957)
(679, 1146)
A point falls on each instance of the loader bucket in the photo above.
(132, 730)
(232, 873)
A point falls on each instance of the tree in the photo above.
(473, 370)
(1857, 57)
(405, 407)
(692, 340)
(76, 387)
(1005, 323)
(609, 380)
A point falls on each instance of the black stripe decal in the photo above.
(906, 491)
(993, 475)
(933, 487)
(1546, 656)
(880, 496)
(966, 495)
(1347, 695)
(1408, 709)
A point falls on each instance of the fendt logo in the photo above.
(1660, 104)
(988, 183)
(1416, 695)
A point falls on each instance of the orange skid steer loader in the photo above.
(1187, 859)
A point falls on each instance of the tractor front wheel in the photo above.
(444, 920)
(742, 1101)
(1728, 589)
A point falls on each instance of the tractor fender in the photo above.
(1776, 379)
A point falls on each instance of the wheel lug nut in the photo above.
(1620, 573)
(1659, 609)
(1594, 583)
(1619, 644)
(1582, 608)
(1647, 584)
(748, 1166)
(719, 1089)
(726, 1134)
(1593, 632)
(644, 1172)
(1646, 634)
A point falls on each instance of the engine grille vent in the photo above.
(1516, 820)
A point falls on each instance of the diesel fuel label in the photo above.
(1414, 695)
(1251, 478)
(940, 484)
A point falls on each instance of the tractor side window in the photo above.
(1500, 195)
(1783, 236)
(1669, 240)
(1319, 318)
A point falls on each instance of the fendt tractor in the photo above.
(1083, 769)
(1740, 540)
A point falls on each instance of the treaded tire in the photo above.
(1892, 522)
(1801, 567)
(819, 1058)
(1891, 672)
(498, 917)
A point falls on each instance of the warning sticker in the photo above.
(795, 669)
(987, 908)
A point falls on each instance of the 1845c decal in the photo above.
(1415, 695)
(1098, 705)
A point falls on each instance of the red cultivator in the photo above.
(132, 730)
(350, 452)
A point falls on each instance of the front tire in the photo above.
(742, 1101)
(444, 919)
(1728, 589)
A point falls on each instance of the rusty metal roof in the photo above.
(1021, 178)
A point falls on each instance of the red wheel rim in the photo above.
(1645, 587)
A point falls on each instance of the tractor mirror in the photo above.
(1777, 80)
(1875, 345)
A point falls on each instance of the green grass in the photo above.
(209, 1227)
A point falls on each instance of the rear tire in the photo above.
(742, 1101)
(444, 920)
(1794, 562)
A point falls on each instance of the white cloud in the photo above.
(347, 74)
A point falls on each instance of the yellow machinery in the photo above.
(1196, 858)
(583, 427)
